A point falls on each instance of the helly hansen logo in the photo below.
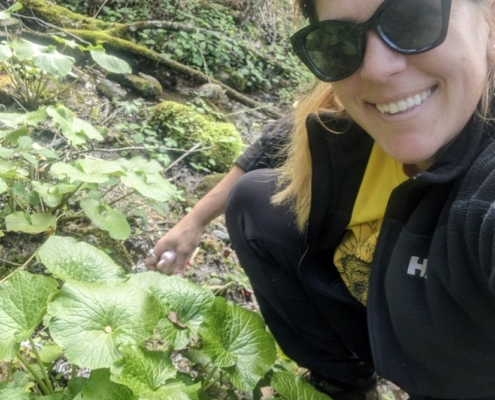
(416, 268)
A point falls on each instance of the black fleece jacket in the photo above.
(431, 305)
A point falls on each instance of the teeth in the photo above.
(405, 104)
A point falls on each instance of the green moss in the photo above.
(180, 122)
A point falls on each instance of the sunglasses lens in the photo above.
(412, 25)
(334, 49)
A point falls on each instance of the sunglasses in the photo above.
(334, 49)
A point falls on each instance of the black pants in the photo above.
(269, 248)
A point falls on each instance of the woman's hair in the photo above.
(295, 174)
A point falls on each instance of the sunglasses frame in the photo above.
(373, 24)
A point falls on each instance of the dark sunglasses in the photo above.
(334, 49)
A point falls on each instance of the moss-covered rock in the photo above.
(182, 123)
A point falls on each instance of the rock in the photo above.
(212, 91)
(144, 85)
(111, 90)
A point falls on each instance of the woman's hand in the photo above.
(181, 240)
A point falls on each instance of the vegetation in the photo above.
(71, 166)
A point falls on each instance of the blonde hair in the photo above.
(295, 175)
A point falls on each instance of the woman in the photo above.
(371, 251)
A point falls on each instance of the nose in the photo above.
(380, 61)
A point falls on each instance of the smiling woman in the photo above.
(371, 249)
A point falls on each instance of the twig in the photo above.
(23, 266)
(191, 150)
(101, 8)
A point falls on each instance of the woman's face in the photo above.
(446, 82)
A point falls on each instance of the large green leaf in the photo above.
(110, 63)
(100, 387)
(107, 218)
(140, 165)
(151, 375)
(86, 170)
(69, 259)
(236, 339)
(20, 221)
(47, 58)
(3, 186)
(91, 321)
(11, 392)
(153, 186)
(184, 304)
(9, 170)
(52, 194)
(23, 303)
(5, 52)
(294, 387)
(76, 130)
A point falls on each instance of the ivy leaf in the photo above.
(294, 387)
(91, 321)
(188, 302)
(20, 221)
(236, 340)
(23, 303)
(68, 259)
(86, 170)
(151, 375)
(107, 218)
(110, 63)
(100, 387)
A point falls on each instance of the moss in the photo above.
(143, 87)
(59, 15)
(180, 122)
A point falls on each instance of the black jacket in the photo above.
(431, 304)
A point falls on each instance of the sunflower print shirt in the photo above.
(354, 255)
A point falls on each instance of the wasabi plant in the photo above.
(89, 312)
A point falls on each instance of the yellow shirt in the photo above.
(354, 255)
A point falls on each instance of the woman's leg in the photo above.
(269, 248)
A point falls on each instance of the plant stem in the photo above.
(23, 266)
(73, 372)
(122, 197)
(40, 363)
(208, 382)
(34, 373)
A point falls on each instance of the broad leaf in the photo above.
(68, 259)
(151, 375)
(13, 120)
(86, 170)
(11, 392)
(3, 186)
(48, 59)
(23, 303)
(30, 223)
(91, 321)
(100, 387)
(107, 218)
(236, 339)
(5, 51)
(153, 186)
(294, 387)
(76, 130)
(184, 305)
(52, 194)
(140, 164)
(110, 63)
(9, 170)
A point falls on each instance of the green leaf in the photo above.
(100, 387)
(153, 186)
(107, 218)
(76, 130)
(9, 391)
(50, 352)
(151, 375)
(30, 223)
(68, 259)
(188, 303)
(13, 120)
(91, 321)
(86, 170)
(5, 51)
(52, 194)
(3, 186)
(236, 339)
(23, 303)
(294, 387)
(110, 63)
(48, 59)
